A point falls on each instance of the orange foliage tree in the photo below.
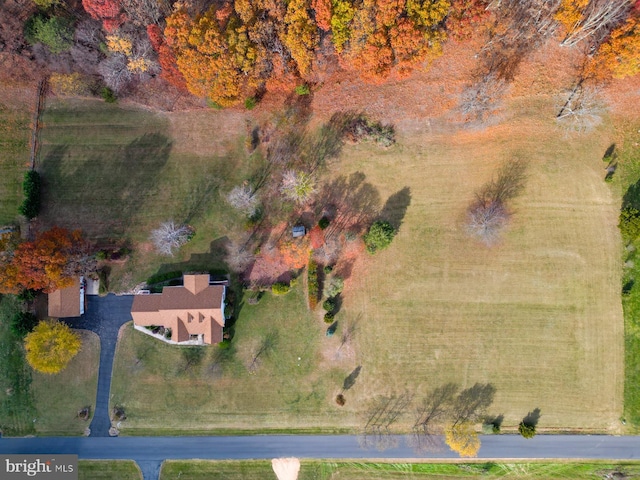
(294, 254)
(465, 16)
(619, 55)
(381, 37)
(217, 59)
(47, 264)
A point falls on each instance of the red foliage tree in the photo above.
(108, 11)
(465, 16)
(166, 58)
(316, 237)
(48, 263)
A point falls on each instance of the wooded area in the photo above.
(236, 51)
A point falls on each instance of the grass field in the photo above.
(117, 173)
(108, 470)
(628, 175)
(287, 390)
(250, 470)
(58, 398)
(538, 315)
(14, 158)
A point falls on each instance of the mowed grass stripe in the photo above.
(439, 307)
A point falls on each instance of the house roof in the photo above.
(65, 302)
(196, 294)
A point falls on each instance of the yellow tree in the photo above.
(619, 56)
(301, 34)
(463, 439)
(51, 346)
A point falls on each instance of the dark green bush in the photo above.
(250, 103)
(629, 223)
(324, 223)
(313, 283)
(23, 322)
(327, 269)
(108, 95)
(526, 430)
(329, 304)
(379, 236)
(280, 288)
(328, 317)
(31, 184)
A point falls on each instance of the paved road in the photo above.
(149, 452)
(104, 316)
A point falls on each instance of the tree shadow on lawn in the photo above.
(395, 208)
(101, 193)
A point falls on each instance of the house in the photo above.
(67, 302)
(192, 313)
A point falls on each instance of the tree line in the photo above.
(229, 52)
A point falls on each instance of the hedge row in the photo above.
(31, 188)
(313, 283)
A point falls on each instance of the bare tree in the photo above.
(598, 19)
(297, 186)
(115, 72)
(485, 221)
(488, 214)
(267, 344)
(582, 111)
(482, 98)
(243, 198)
(169, 237)
(146, 12)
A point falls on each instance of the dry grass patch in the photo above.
(538, 315)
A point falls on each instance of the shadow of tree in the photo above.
(101, 193)
(532, 418)
(354, 202)
(631, 198)
(350, 381)
(395, 208)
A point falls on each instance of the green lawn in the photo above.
(118, 172)
(628, 175)
(108, 470)
(35, 403)
(288, 388)
(17, 403)
(312, 470)
(14, 159)
(58, 398)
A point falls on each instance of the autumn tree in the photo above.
(109, 12)
(590, 20)
(380, 37)
(217, 59)
(619, 55)
(48, 263)
(166, 58)
(463, 439)
(322, 10)
(51, 346)
(465, 16)
(300, 34)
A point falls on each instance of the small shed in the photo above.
(299, 231)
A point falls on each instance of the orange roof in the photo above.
(193, 309)
(66, 301)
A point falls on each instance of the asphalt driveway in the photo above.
(104, 316)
